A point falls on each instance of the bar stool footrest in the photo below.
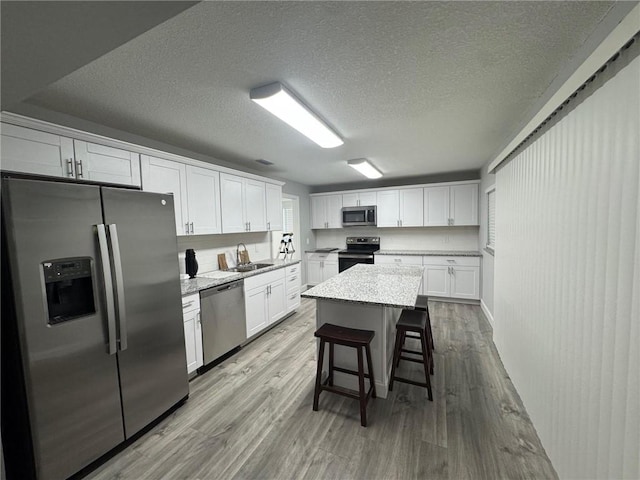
(350, 372)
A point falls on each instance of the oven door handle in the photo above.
(354, 256)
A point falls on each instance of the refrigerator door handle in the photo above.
(108, 287)
(117, 267)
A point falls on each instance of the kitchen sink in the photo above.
(250, 267)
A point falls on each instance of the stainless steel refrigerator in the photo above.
(93, 338)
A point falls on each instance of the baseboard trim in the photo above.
(487, 313)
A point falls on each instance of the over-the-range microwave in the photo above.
(359, 216)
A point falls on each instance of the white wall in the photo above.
(425, 238)
(567, 281)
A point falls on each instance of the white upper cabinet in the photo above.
(274, 206)
(203, 200)
(166, 176)
(400, 208)
(32, 151)
(326, 211)
(359, 199)
(195, 193)
(463, 204)
(388, 211)
(451, 205)
(100, 163)
(243, 203)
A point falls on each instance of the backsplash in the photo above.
(208, 247)
(424, 238)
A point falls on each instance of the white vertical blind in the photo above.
(567, 282)
(491, 218)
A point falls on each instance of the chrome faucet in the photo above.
(238, 263)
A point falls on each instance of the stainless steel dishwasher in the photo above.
(223, 319)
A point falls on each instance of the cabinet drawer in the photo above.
(190, 302)
(292, 270)
(452, 261)
(263, 279)
(293, 282)
(293, 300)
(398, 259)
(322, 257)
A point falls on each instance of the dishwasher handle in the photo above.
(221, 288)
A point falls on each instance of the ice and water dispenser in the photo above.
(69, 289)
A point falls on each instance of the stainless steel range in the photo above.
(359, 250)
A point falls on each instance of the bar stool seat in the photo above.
(348, 337)
(412, 321)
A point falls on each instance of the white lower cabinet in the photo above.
(292, 277)
(453, 277)
(265, 300)
(321, 267)
(192, 331)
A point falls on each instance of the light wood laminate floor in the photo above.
(251, 417)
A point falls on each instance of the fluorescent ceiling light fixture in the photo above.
(283, 104)
(365, 168)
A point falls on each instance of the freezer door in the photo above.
(71, 380)
(151, 356)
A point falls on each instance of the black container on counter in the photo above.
(190, 263)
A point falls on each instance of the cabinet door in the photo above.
(350, 199)
(191, 332)
(203, 193)
(165, 176)
(465, 282)
(30, 151)
(334, 211)
(100, 163)
(255, 301)
(463, 204)
(255, 205)
(367, 198)
(274, 206)
(330, 269)
(293, 300)
(231, 204)
(314, 272)
(318, 216)
(411, 207)
(436, 280)
(436, 206)
(388, 202)
(277, 300)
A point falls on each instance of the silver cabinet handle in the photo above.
(79, 168)
(293, 278)
(188, 304)
(268, 225)
(199, 319)
(450, 261)
(117, 266)
(249, 226)
(292, 297)
(191, 227)
(69, 167)
(108, 287)
(186, 228)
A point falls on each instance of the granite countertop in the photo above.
(443, 253)
(386, 285)
(194, 285)
(323, 250)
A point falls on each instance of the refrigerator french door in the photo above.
(96, 303)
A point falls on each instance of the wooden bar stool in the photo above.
(423, 304)
(412, 321)
(348, 337)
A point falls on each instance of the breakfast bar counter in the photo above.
(368, 297)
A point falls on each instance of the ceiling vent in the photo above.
(262, 161)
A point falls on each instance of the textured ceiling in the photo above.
(417, 87)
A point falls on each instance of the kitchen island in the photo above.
(368, 297)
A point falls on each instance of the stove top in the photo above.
(362, 245)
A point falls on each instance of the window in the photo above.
(491, 219)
